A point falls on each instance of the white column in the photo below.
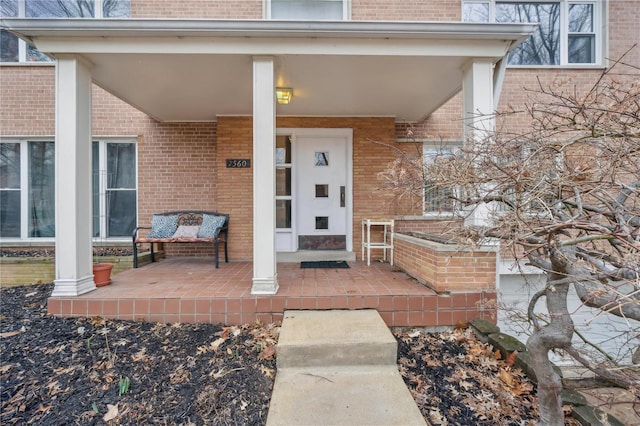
(74, 274)
(477, 115)
(265, 277)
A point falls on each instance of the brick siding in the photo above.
(181, 165)
(445, 268)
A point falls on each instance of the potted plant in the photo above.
(102, 274)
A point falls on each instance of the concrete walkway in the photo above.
(339, 368)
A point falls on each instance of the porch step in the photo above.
(335, 338)
(339, 368)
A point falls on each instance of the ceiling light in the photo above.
(284, 95)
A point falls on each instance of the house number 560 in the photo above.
(238, 164)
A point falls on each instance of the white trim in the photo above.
(104, 28)
(73, 287)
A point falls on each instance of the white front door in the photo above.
(321, 196)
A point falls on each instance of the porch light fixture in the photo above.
(284, 95)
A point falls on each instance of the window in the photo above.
(10, 190)
(568, 33)
(114, 189)
(309, 10)
(27, 189)
(283, 182)
(13, 49)
(437, 199)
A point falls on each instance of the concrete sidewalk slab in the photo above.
(339, 368)
(342, 396)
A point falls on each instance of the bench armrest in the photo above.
(134, 235)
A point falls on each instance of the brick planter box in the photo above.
(38, 270)
(446, 267)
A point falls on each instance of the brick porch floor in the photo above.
(188, 289)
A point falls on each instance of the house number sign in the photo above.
(238, 164)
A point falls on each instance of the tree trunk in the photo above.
(556, 334)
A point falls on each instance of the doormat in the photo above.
(324, 264)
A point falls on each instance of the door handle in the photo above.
(342, 196)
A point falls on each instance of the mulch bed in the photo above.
(50, 252)
(94, 371)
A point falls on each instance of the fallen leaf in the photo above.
(268, 372)
(141, 355)
(97, 321)
(243, 405)
(511, 358)
(4, 369)
(216, 344)
(112, 412)
(267, 353)
(10, 334)
(497, 354)
(506, 377)
(43, 408)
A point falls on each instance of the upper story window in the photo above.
(569, 33)
(307, 10)
(13, 49)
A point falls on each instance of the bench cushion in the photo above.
(211, 226)
(163, 226)
(187, 231)
(174, 240)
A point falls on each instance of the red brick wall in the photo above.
(235, 186)
(202, 9)
(27, 100)
(441, 10)
(447, 269)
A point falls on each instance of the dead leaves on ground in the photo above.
(70, 370)
(460, 381)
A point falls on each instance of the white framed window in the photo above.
(284, 192)
(570, 32)
(438, 200)
(27, 189)
(114, 183)
(308, 10)
(12, 49)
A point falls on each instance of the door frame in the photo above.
(296, 134)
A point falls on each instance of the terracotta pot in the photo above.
(102, 274)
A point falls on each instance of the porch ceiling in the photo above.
(196, 70)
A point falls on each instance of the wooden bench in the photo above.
(184, 226)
